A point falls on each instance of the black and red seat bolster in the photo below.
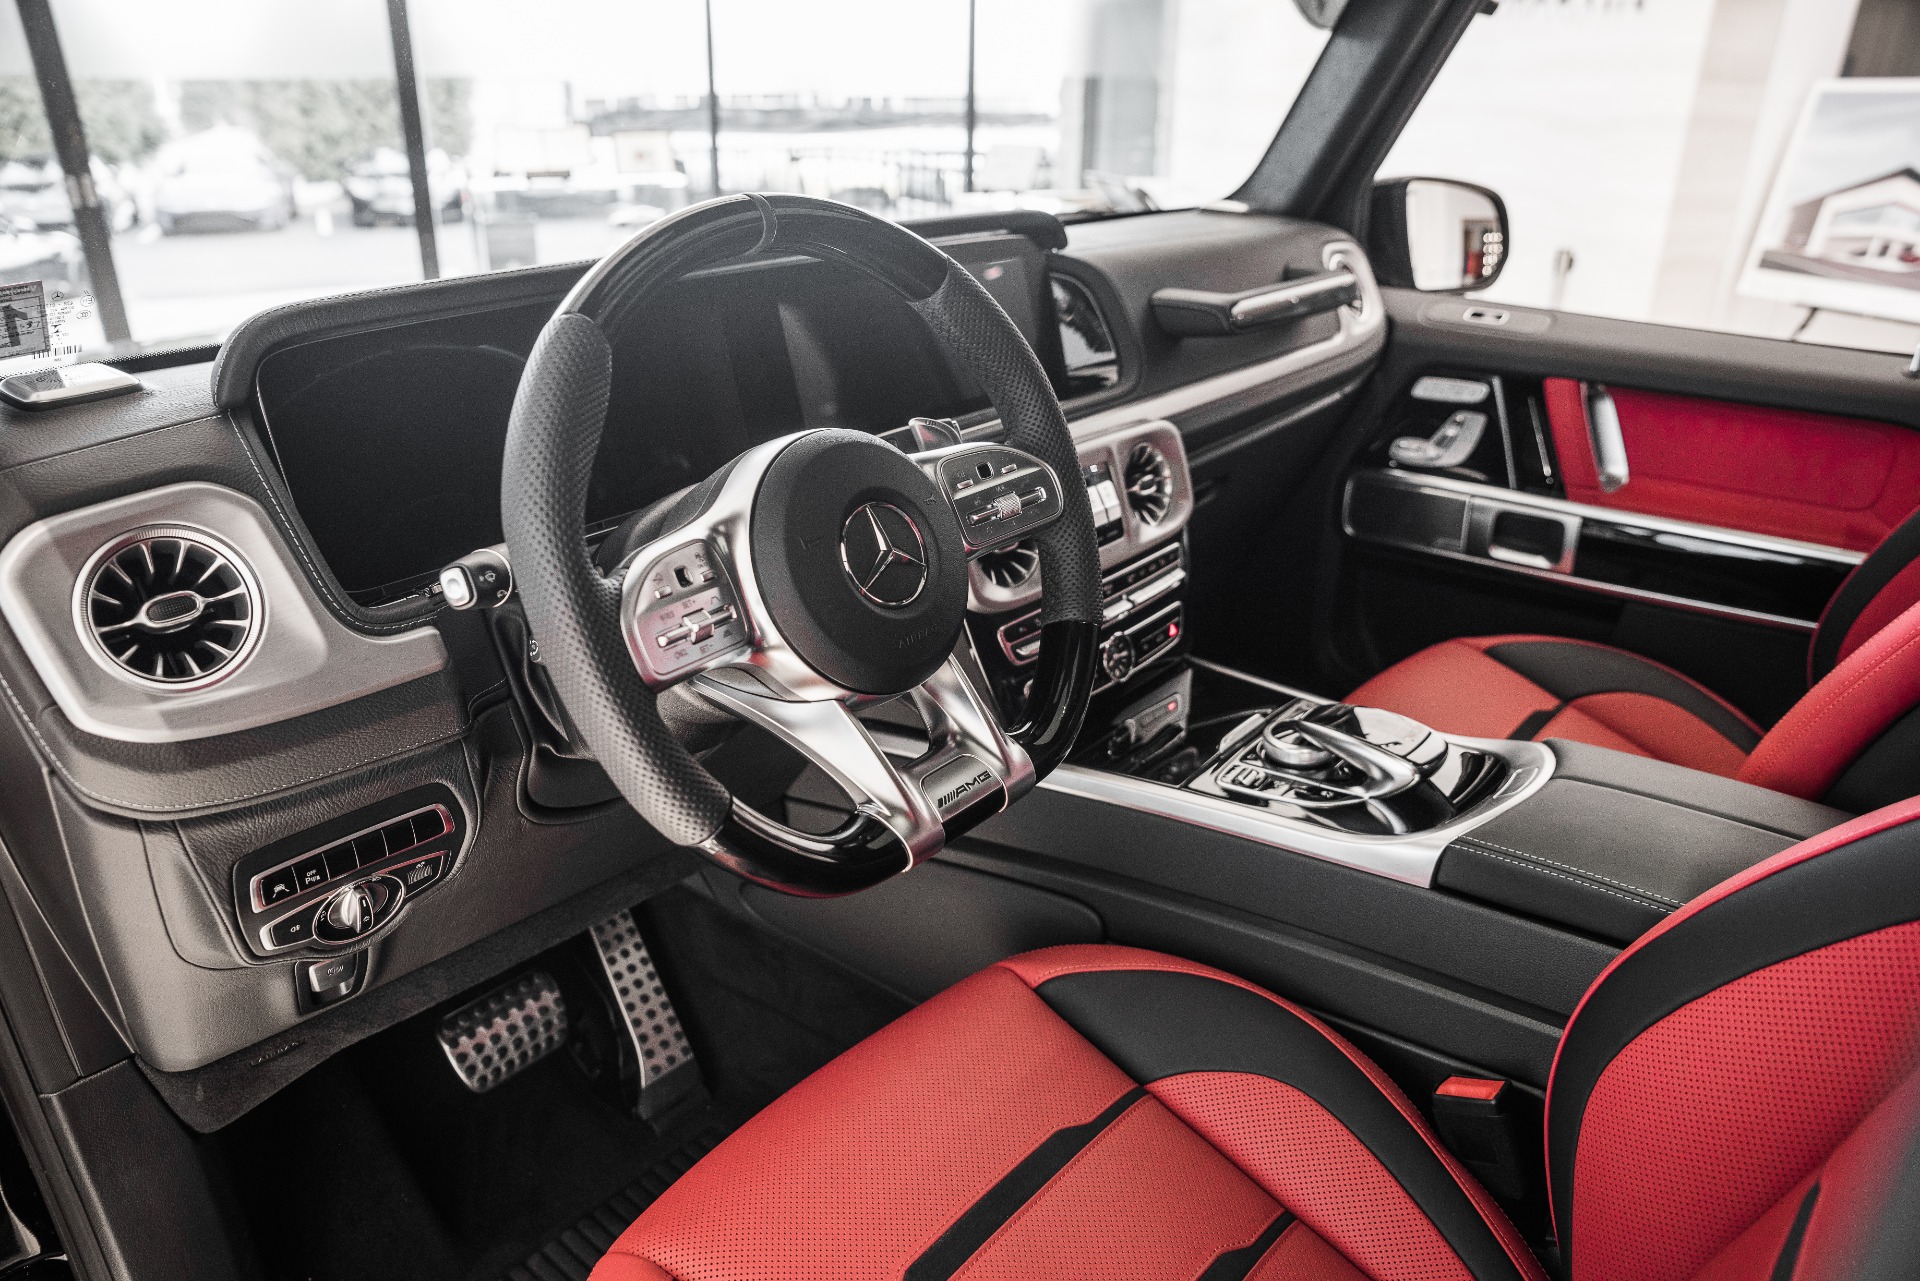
(1748, 1056)
(1538, 687)
(1085, 1111)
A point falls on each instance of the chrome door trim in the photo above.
(1617, 516)
(1484, 501)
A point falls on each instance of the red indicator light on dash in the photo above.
(1173, 630)
(1173, 705)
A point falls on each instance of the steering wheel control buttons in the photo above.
(687, 614)
(1000, 494)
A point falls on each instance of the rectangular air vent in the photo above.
(1086, 342)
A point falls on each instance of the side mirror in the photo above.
(1436, 235)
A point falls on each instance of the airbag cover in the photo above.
(860, 561)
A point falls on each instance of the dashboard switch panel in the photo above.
(333, 885)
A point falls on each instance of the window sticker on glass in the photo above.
(23, 320)
(36, 326)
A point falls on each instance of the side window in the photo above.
(1753, 169)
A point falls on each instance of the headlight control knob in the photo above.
(357, 909)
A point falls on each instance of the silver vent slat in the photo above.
(1010, 567)
(1149, 481)
(152, 601)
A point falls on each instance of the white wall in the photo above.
(1576, 114)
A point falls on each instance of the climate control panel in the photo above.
(1142, 621)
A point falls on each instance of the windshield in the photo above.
(247, 153)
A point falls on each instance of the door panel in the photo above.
(1758, 473)
(1840, 482)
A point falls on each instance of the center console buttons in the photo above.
(1116, 657)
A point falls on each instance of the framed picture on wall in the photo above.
(1841, 229)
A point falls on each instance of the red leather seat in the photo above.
(1736, 1099)
(1849, 740)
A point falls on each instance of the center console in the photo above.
(1445, 901)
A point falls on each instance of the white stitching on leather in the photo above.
(1484, 843)
(1581, 881)
(54, 760)
(290, 533)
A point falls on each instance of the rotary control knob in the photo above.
(356, 909)
(1117, 656)
(1282, 747)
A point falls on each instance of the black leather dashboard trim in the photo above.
(1198, 249)
(249, 344)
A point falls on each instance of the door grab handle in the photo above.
(1609, 444)
(1199, 313)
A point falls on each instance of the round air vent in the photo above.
(1149, 480)
(1011, 566)
(171, 608)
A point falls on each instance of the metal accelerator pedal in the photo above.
(505, 1032)
(668, 1074)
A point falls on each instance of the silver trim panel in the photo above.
(1411, 858)
(984, 596)
(306, 659)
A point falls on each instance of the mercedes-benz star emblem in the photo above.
(884, 555)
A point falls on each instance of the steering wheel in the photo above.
(808, 577)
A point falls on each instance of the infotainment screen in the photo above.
(390, 439)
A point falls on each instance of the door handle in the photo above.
(1609, 443)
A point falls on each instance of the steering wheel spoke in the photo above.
(999, 494)
(970, 771)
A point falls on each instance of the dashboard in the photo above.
(390, 439)
(194, 817)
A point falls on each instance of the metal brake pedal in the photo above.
(505, 1032)
(668, 1073)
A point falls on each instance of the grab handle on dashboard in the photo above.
(1200, 313)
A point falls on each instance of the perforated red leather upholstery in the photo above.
(1737, 1098)
(1860, 714)
(1543, 687)
(1083, 1112)
(1715, 1075)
